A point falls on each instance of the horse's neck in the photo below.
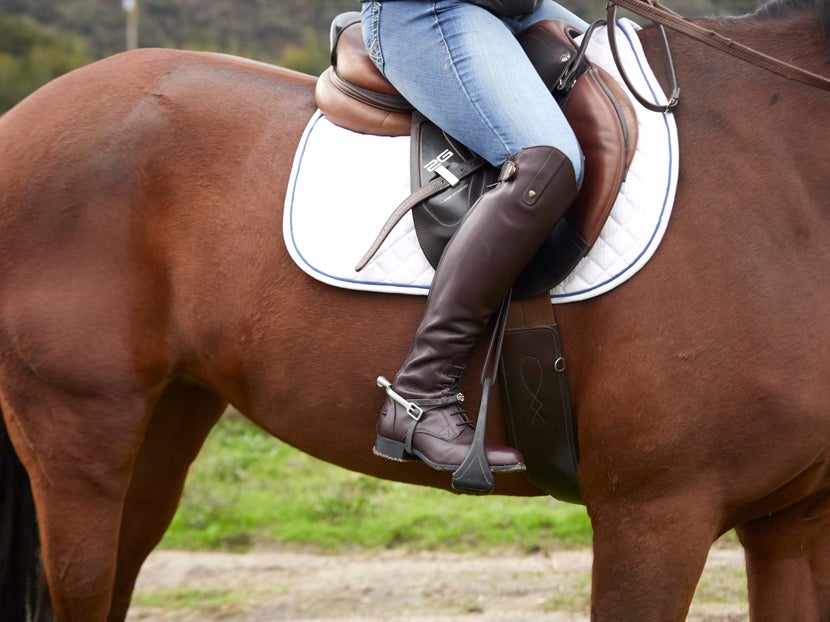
(796, 36)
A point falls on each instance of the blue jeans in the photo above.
(462, 67)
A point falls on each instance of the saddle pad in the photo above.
(344, 185)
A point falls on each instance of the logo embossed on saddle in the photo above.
(437, 217)
(436, 165)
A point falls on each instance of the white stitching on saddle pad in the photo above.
(344, 185)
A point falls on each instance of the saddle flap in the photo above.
(602, 118)
(437, 217)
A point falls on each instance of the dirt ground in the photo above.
(396, 585)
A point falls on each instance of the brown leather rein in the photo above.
(662, 16)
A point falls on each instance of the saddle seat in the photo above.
(353, 94)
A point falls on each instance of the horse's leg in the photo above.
(180, 423)
(788, 563)
(648, 558)
(78, 450)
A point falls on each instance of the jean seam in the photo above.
(375, 52)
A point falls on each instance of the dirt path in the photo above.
(410, 587)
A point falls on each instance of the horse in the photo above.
(143, 289)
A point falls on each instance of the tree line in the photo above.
(41, 39)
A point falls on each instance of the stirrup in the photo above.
(474, 475)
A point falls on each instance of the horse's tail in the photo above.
(19, 541)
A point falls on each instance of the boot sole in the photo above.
(395, 450)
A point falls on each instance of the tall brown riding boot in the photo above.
(494, 242)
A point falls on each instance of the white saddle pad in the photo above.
(344, 186)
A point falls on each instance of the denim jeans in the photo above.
(463, 68)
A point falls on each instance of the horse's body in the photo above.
(143, 287)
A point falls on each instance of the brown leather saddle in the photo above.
(352, 93)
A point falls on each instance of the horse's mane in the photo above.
(781, 8)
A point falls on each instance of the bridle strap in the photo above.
(664, 17)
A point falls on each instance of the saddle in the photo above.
(353, 94)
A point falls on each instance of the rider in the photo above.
(458, 62)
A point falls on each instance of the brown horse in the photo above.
(143, 287)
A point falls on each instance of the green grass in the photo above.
(247, 489)
(188, 598)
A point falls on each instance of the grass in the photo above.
(188, 598)
(247, 489)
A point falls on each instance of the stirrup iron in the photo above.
(474, 475)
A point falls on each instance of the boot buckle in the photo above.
(413, 410)
(508, 170)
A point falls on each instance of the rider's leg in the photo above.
(482, 260)
(462, 67)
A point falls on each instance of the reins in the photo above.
(662, 16)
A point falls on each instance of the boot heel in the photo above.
(392, 450)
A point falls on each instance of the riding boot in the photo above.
(496, 239)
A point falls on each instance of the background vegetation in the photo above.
(248, 490)
(41, 39)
